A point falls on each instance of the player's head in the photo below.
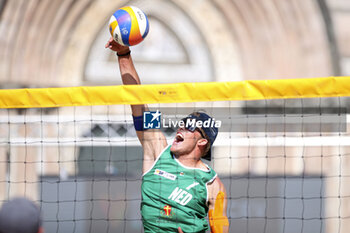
(198, 130)
(20, 215)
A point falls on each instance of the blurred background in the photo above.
(60, 43)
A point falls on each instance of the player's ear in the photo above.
(202, 142)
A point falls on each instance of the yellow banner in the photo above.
(175, 93)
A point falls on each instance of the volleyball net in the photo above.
(282, 152)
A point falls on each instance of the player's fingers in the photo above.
(109, 43)
(113, 45)
(179, 229)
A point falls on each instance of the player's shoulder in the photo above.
(216, 186)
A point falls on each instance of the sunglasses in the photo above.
(192, 127)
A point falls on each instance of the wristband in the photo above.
(124, 54)
(138, 123)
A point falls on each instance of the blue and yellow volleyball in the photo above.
(129, 26)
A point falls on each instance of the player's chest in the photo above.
(179, 186)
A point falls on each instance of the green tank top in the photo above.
(174, 195)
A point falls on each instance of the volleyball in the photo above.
(129, 26)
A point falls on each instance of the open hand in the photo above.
(114, 46)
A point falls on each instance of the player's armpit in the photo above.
(217, 220)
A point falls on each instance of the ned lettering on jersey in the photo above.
(178, 189)
(180, 196)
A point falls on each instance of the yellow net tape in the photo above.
(175, 93)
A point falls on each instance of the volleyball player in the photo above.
(178, 188)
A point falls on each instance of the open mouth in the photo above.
(179, 137)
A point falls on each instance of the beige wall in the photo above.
(48, 43)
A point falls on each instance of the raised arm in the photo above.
(152, 141)
(127, 70)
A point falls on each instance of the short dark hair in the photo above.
(20, 210)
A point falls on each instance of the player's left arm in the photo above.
(218, 207)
